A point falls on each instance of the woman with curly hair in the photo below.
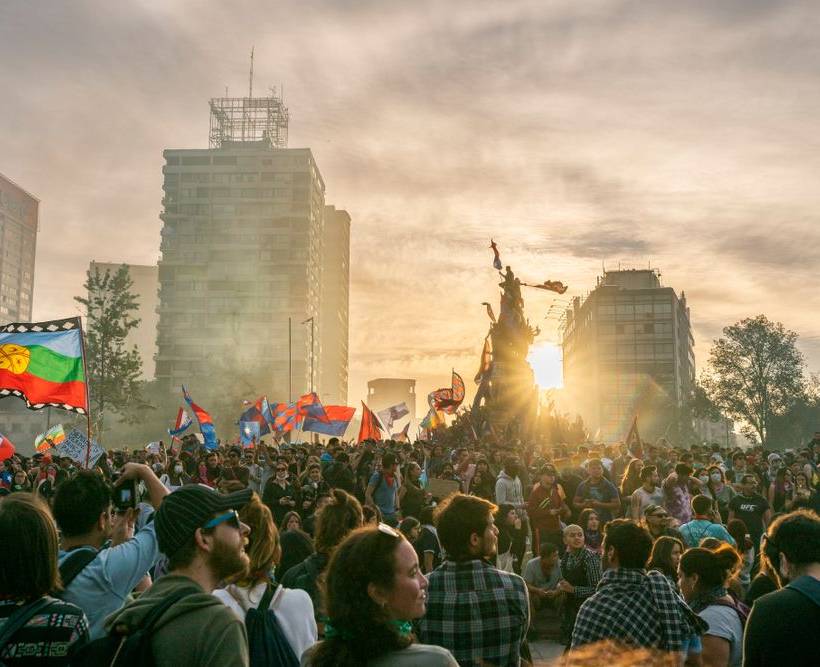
(373, 591)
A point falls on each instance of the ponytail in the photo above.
(713, 567)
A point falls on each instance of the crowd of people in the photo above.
(352, 554)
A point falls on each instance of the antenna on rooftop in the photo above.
(250, 78)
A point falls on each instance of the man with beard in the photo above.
(200, 532)
(478, 612)
(782, 628)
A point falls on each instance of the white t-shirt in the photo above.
(293, 609)
(725, 623)
(645, 499)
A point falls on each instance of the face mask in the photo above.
(703, 478)
(715, 476)
(178, 469)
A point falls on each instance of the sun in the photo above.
(546, 362)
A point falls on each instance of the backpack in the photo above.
(741, 609)
(74, 564)
(18, 619)
(267, 644)
(131, 649)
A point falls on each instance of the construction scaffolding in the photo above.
(249, 119)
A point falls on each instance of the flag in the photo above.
(486, 361)
(449, 399)
(432, 420)
(206, 424)
(490, 312)
(249, 433)
(42, 363)
(309, 405)
(51, 438)
(264, 408)
(286, 417)
(633, 438)
(6, 448)
(339, 416)
(402, 436)
(152, 447)
(392, 414)
(254, 414)
(550, 286)
(496, 256)
(181, 423)
(369, 430)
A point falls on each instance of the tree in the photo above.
(755, 374)
(113, 370)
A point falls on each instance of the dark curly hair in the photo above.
(336, 520)
(363, 632)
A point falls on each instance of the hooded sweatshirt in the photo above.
(508, 490)
(196, 630)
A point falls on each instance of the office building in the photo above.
(242, 251)
(19, 220)
(335, 306)
(144, 335)
(628, 349)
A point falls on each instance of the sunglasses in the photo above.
(230, 517)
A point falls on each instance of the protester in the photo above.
(704, 578)
(743, 543)
(293, 608)
(341, 516)
(657, 521)
(427, 545)
(648, 493)
(174, 475)
(411, 496)
(597, 493)
(102, 578)
(296, 546)
(665, 557)
(546, 506)
(383, 490)
(678, 489)
(476, 611)
(374, 589)
(508, 487)
(781, 491)
(630, 482)
(512, 539)
(751, 508)
(280, 494)
(200, 532)
(593, 535)
(703, 524)
(483, 482)
(719, 491)
(632, 605)
(580, 574)
(782, 627)
(542, 574)
(291, 521)
(49, 629)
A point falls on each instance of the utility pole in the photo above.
(310, 319)
(290, 362)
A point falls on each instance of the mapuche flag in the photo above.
(370, 429)
(42, 363)
(206, 424)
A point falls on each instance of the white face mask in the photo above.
(715, 476)
(177, 469)
(703, 478)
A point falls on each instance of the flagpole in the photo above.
(87, 398)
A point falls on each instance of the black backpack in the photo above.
(118, 649)
(18, 619)
(74, 564)
(267, 644)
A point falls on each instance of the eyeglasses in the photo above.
(388, 530)
(231, 518)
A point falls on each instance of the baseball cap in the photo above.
(187, 509)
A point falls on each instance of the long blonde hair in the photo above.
(263, 542)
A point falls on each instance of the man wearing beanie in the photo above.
(199, 531)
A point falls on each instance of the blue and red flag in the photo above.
(264, 407)
(309, 405)
(286, 417)
(181, 424)
(254, 414)
(206, 424)
(248, 433)
(339, 417)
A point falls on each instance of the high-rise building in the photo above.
(242, 252)
(19, 220)
(628, 349)
(335, 306)
(144, 335)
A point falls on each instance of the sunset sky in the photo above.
(681, 134)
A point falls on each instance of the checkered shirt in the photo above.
(479, 613)
(638, 609)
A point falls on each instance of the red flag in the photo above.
(6, 448)
(496, 256)
(486, 360)
(550, 286)
(370, 429)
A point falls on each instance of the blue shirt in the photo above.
(604, 491)
(384, 495)
(103, 585)
(694, 531)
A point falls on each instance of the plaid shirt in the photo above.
(592, 565)
(638, 609)
(479, 613)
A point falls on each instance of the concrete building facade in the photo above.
(628, 349)
(241, 253)
(19, 221)
(335, 306)
(385, 392)
(144, 336)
